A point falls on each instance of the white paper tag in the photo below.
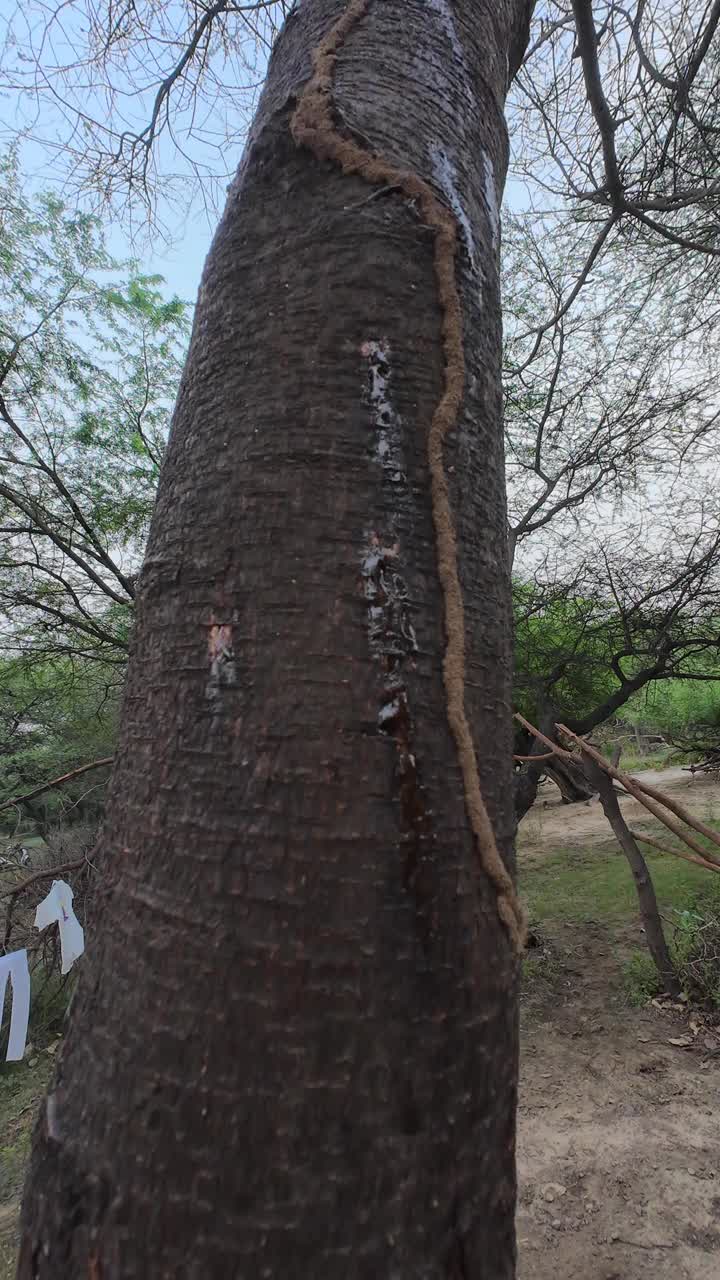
(57, 907)
(15, 967)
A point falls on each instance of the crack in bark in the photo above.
(457, 1264)
(313, 126)
(392, 642)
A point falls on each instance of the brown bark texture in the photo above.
(293, 1051)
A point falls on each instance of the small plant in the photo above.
(542, 970)
(640, 978)
(697, 954)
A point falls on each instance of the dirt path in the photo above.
(551, 823)
(619, 1138)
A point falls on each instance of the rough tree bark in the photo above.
(293, 1050)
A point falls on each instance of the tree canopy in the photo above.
(90, 359)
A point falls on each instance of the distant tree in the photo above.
(615, 414)
(90, 356)
(617, 109)
(54, 718)
(612, 446)
(586, 646)
(685, 712)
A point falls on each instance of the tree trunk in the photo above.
(570, 781)
(293, 1051)
(650, 915)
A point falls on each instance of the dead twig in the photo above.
(47, 874)
(656, 802)
(548, 755)
(677, 853)
(555, 750)
(56, 782)
(43, 875)
(638, 1244)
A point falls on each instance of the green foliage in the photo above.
(21, 1087)
(641, 978)
(563, 649)
(695, 947)
(581, 884)
(697, 951)
(90, 360)
(632, 760)
(54, 717)
(675, 707)
(573, 651)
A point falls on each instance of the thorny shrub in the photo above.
(696, 946)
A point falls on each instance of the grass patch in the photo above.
(21, 1087)
(696, 948)
(694, 939)
(641, 979)
(542, 973)
(577, 884)
(635, 761)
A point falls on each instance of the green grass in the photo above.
(21, 1086)
(577, 884)
(641, 979)
(635, 762)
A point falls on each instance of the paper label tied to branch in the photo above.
(57, 908)
(15, 967)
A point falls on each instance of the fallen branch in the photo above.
(60, 869)
(677, 853)
(555, 750)
(56, 782)
(673, 805)
(654, 801)
(548, 755)
(601, 773)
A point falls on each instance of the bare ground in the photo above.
(551, 823)
(619, 1131)
(619, 1137)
